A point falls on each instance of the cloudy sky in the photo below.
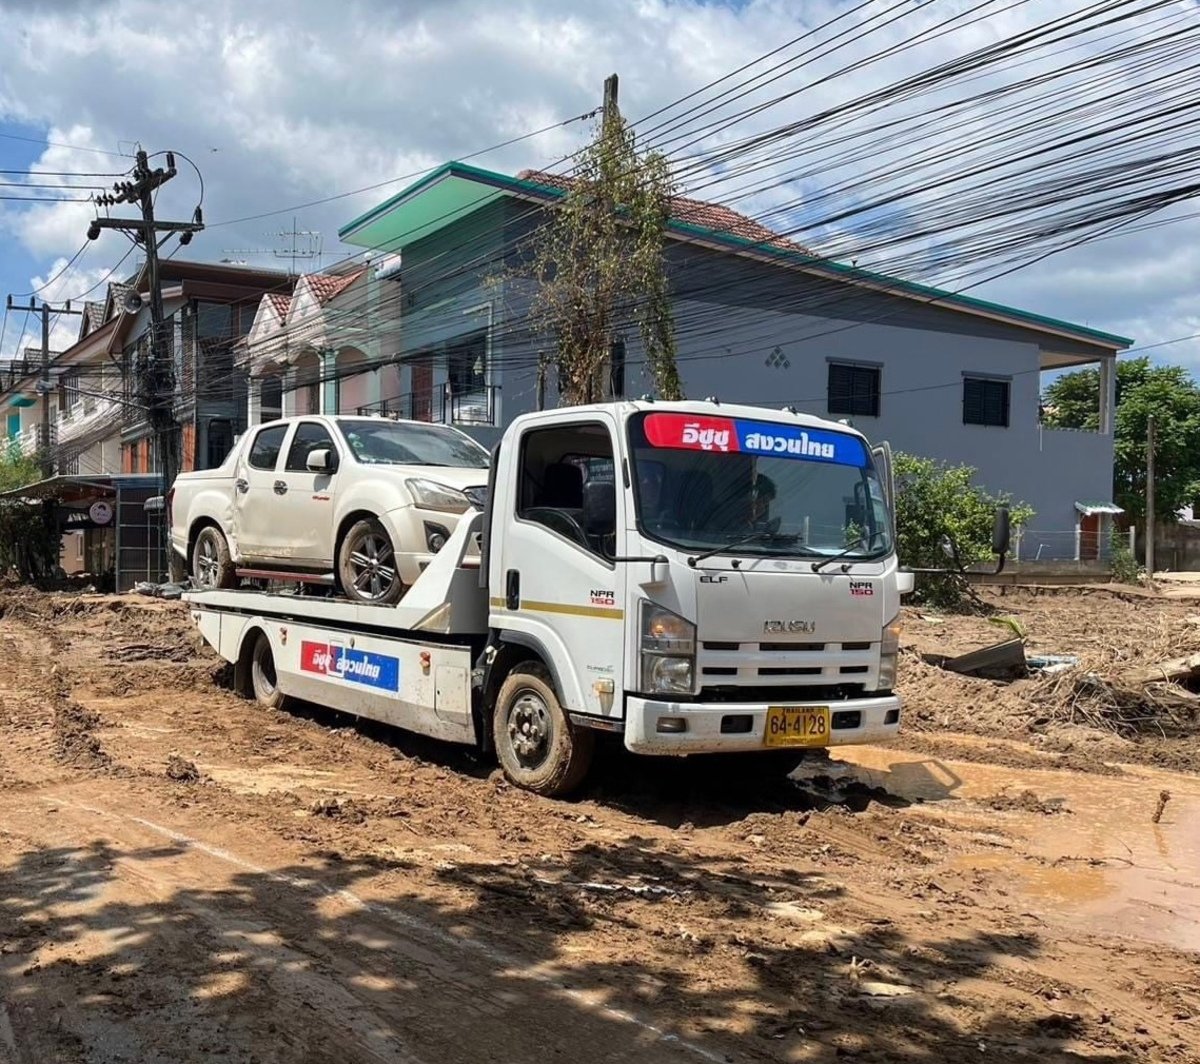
(279, 104)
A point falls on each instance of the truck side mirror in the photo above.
(600, 507)
(1001, 531)
(320, 461)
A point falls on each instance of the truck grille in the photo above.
(808, 665)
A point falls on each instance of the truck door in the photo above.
(559, 588)
(305, 499)
(256, 524)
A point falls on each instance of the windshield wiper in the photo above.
(861, 544)
(762, 533)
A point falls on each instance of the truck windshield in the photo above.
(379, 442)
(772, 489)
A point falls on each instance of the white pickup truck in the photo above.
(362, 503)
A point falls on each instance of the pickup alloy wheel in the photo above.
(367, 564)
(211, 565)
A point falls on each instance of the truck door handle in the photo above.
(242, 485)
(512, 590)
(280, 487)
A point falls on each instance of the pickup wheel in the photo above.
(263, 679)
(537, 745)
(367, 564)
(212, 567)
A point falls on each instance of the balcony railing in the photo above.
(476, 406)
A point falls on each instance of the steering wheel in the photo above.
(559, 521)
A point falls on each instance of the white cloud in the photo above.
(304, 99)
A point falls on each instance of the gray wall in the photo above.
(738, 320)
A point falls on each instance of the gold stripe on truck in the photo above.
(562, 607)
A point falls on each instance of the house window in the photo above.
(220, 442)
(853, 389)
(985, 401)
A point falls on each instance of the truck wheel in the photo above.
(537, 746)
(367, 564)
(211, 565)
(263, 679)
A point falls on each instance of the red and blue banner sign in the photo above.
(357, 666)
(727, 435)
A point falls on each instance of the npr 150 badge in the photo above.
(357, 666)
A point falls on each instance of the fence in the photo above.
(1062, 545)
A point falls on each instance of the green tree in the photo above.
(936, 502)
(600, 265)
(30, 540)
(1167, 392)
(16, 469)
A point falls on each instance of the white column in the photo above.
(1133, 540)
(1108, 394)
(329, 388)
(254, 402)
(287, 400)
(1078, 535)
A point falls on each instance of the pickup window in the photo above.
(264, 451)
(310, 436)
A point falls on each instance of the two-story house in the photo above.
(760, 320)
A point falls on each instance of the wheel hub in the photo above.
(529, 729)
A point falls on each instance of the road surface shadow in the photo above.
(182, 952)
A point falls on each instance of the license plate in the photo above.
(797, 726)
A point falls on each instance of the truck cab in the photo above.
(700, 578)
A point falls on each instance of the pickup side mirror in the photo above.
(321, 461)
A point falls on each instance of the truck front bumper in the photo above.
(859, 720)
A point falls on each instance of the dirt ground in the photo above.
(185, 876)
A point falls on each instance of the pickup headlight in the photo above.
(889, 650)
(430, 495)
(668, 650)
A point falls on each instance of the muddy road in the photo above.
(185, 876)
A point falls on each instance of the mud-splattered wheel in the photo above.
(538, 747)
(263, 680)
(212, 566)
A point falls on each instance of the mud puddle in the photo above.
(1086, 851)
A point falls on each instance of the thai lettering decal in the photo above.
(727, 435)
(357, 666)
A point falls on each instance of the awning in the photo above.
(1090, 508)
(60, 486)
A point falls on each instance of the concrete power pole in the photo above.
(157, 377)
(1150, 497)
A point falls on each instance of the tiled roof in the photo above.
(325, 286)
(117, 292)
(94, 314)
(687, 211)
(280, 302)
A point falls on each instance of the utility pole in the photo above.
(157, 376)
(611, 85)
(44, 386)
(1150, 497)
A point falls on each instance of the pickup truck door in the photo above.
(257, 527)
(305, 505)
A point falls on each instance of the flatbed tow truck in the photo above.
(696, 578)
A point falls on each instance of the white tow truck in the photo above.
(697, 578)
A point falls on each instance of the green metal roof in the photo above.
(454, 190)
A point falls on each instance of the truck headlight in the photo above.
(889, 650)
(668, 652)
(430, 495)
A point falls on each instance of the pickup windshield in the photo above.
(735, 485)
(378, 442)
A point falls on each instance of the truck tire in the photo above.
(366, 564)
(538, 747)
(212, 566)
(263, 680)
